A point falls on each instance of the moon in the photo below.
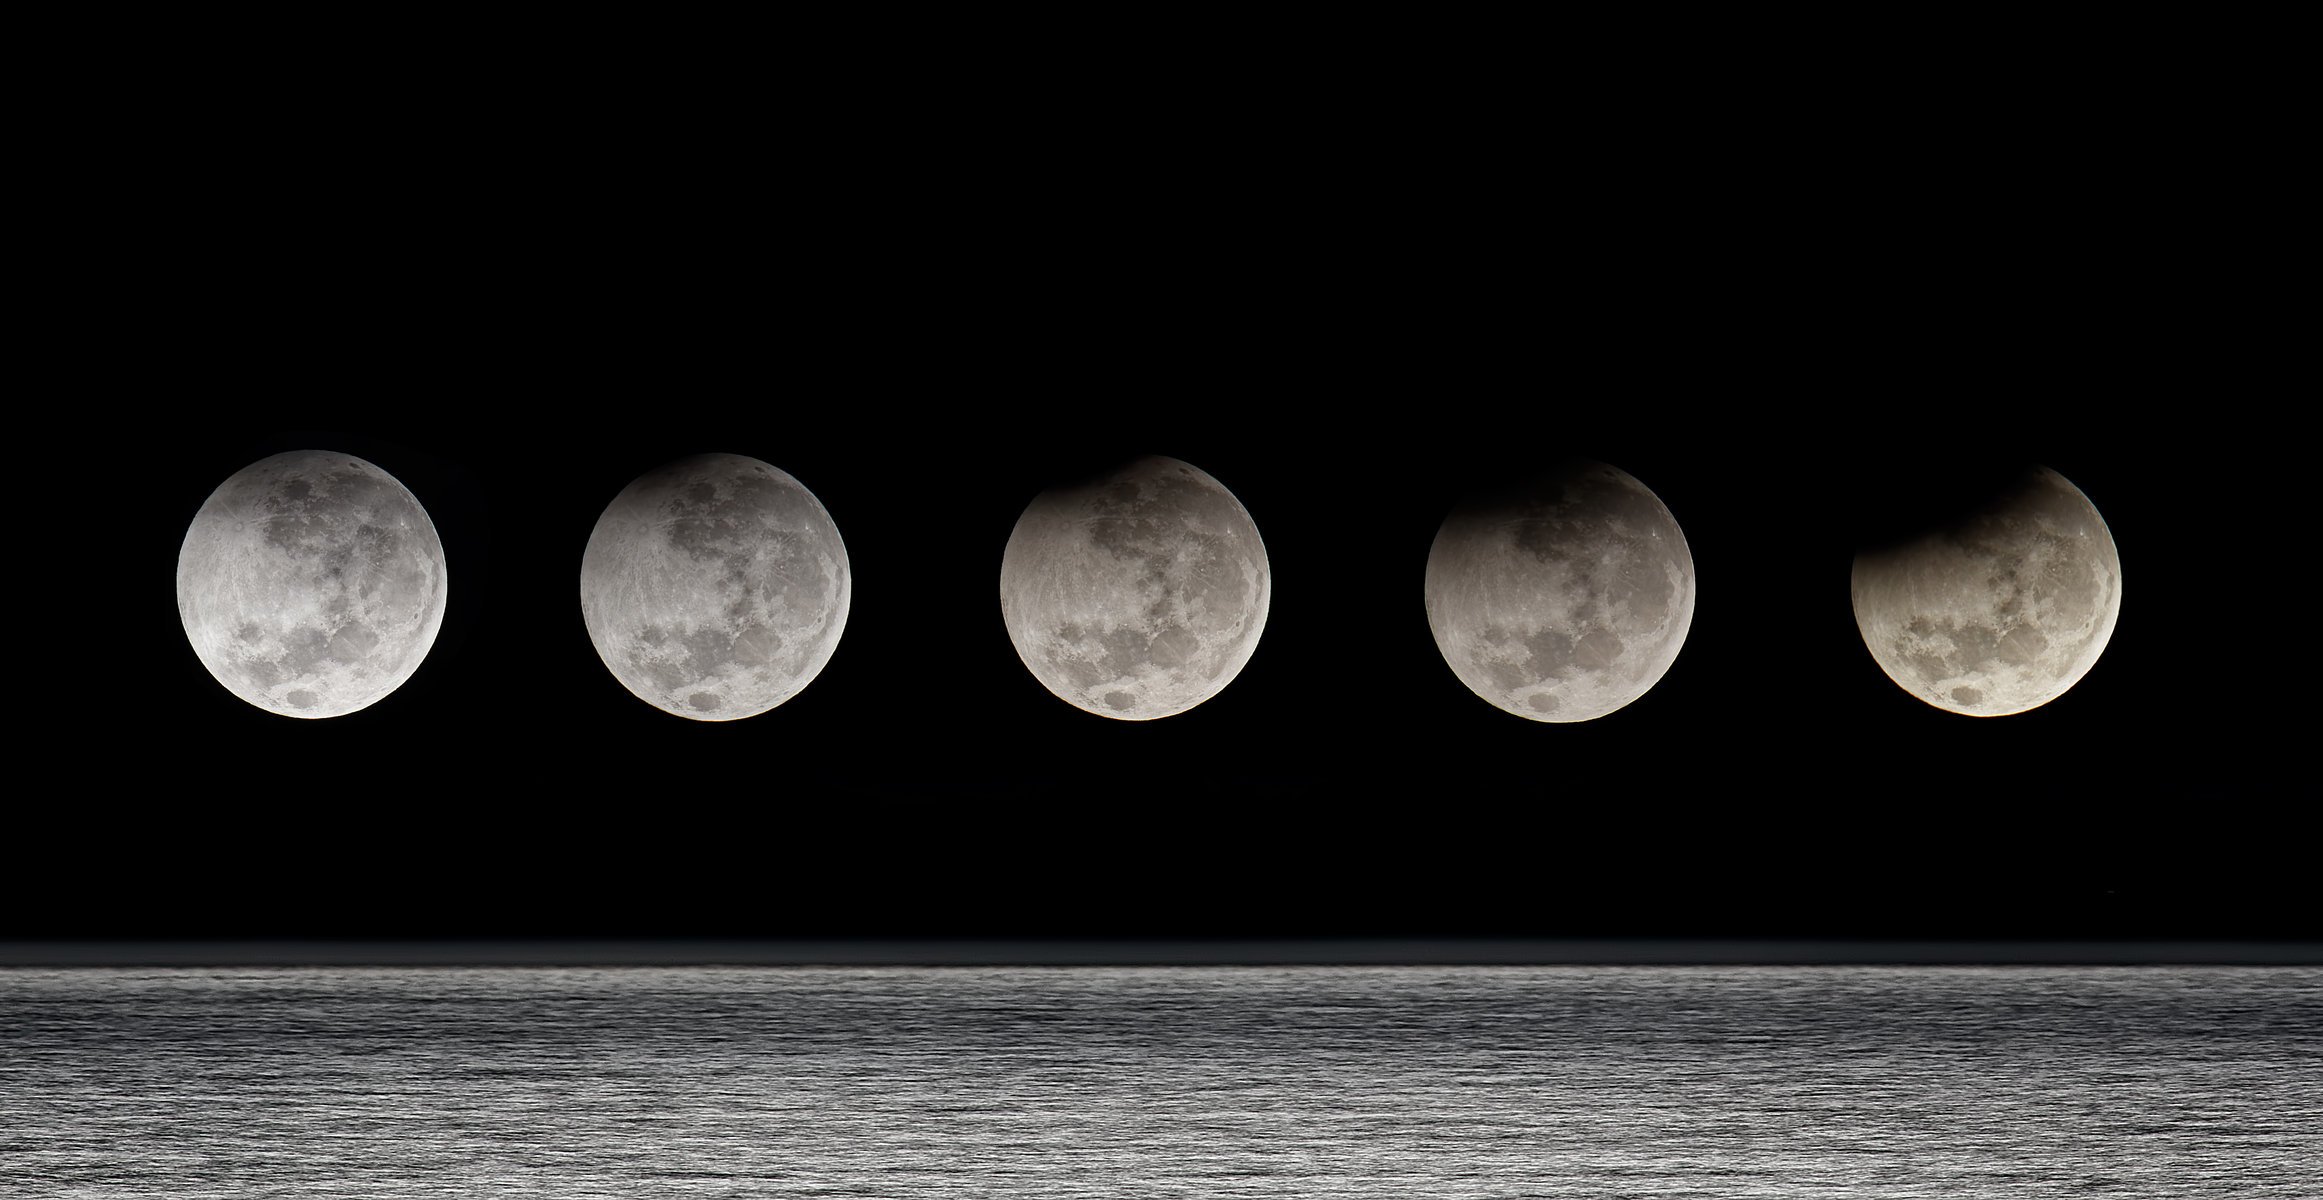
(715, 587)
(1138, 594)
(311, 584)
(1999, 611)
(1563, 597)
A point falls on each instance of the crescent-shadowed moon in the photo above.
(715, 587)
(1561, 597)
(2000, 610)
(1136, 595)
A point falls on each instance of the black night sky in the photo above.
(1775, 783)
(1784, 350)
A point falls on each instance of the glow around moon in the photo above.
(2000, 612)
(715, 587)
(1563, 598)
(311, 584)
(1137, 595)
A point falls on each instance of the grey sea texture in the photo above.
(1161, 1082)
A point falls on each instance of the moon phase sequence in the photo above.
(715, 587)
(1564, 597)
(1136, 595)
(311, 584)
(1999, 611)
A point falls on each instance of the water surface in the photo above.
(1158, 1082)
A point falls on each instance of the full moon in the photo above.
(1998, 611)
(715, 587)
(1564, 597)
(311, 584)
(1136, 595)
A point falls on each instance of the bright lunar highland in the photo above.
(1136, 595)
(2000, 612)
(715, 587)
(1563, 597)
(311, 584)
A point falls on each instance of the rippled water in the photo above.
(1110, 1082)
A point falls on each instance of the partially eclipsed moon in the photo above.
(1138, 595)
(715, 587)
(1564, 597)
(2001, 611)
(311, 584)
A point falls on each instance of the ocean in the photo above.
(1102, 1082)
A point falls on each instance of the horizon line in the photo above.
(926, 952)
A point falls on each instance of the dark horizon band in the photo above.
(1209, 952)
